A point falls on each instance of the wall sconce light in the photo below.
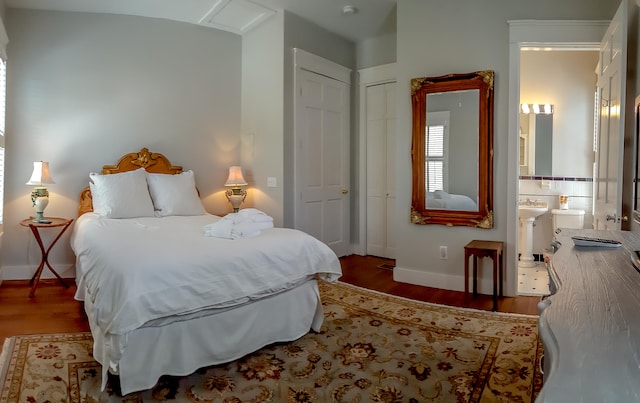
(537, 108)
(236, 194)
(40, 194)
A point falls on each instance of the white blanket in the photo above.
(448, 201)
(140, 269)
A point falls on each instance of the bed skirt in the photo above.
(182, 346)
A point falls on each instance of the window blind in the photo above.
(434, 153)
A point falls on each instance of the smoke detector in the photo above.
(349, 10)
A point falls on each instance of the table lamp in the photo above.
(236, 194)
(40, 194)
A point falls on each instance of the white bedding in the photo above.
(138, 270)
(450, 201)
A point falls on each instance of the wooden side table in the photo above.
(480, 249)
(64, 223)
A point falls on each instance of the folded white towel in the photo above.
(246, 223)
(219, 229)
(248, 214)
(244, 230)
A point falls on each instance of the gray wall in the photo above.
(436, 38)
(381, 48)
(263, 115)
(87, 88)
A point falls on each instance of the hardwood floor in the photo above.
(363, 271)
(53, 309)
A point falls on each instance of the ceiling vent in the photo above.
(237, 16)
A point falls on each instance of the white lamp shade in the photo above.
(235, 178)
(40, 174)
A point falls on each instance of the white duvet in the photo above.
(141, 269)
(449, 201)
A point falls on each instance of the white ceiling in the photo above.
(237, 16)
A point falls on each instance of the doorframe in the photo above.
(555, 34)
(368, 77)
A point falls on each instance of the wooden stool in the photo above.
(480, 249)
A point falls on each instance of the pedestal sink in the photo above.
(527, 213)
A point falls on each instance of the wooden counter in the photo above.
(590, 326)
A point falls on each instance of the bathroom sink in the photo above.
(532, 211)
(528, 211)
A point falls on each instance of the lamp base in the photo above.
(39, 217)
(236, 196)
(40, 199)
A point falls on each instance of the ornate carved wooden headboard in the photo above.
(152, 162)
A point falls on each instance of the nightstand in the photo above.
(55, 222)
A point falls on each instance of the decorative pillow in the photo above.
(175, 194)
(121, 195)
(441, 194)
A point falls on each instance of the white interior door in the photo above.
(381, 193)
(322, 158)
(610, 142)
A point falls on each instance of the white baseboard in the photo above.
(26, 272)
(439, 280)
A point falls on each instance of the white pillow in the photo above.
(121, 195)
(175, 194)
(441, 194)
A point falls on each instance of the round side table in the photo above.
(54, 222)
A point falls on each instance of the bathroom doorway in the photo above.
(533, 54)
(564, 81)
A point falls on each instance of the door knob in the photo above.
(616, 219)
(345, 191)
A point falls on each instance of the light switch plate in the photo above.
(272, 182)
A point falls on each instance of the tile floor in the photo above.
(533, 280)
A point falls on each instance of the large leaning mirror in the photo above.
(452, 149)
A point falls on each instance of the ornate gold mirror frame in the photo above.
(420, 88)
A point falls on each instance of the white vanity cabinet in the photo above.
(590, 325)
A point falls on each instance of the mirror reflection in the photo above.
(451, 152)
(452, 149)
(536, 140)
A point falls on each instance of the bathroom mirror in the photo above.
(536, 143)
(452, 115)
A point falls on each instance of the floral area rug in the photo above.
(373, 347)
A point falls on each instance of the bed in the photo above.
(163, 298)
(442, 200)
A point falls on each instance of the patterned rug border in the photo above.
(453, 308)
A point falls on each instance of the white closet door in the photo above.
(322, 159)
(380, 101)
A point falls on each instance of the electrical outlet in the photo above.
(443, 252)
(271, 182)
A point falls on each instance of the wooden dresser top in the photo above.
(591, 325)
